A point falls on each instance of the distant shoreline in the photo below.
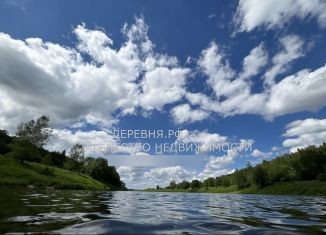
(311, 188)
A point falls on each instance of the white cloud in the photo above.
(131, 175)
(185, 114)
(145, 177)
(163, 86)
(234, 91)
(218, 71)
(302, 91)
(302, 133)
(259, 154)
(252, 14)
(59, 82)
(166, 174)
(50, 79)
(142, 177)
(254, 62)
(293, 48)
(97, 143)
(205, 139)
(216, 166)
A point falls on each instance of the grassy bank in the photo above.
(15, 173)
(285, 188)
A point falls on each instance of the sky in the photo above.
(167, 90)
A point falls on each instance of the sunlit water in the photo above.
(84, 212)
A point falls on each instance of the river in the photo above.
(86, 212)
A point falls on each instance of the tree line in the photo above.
(28, 146)
(305, 164)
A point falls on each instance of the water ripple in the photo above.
(73, 212)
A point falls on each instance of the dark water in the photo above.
(73, 212)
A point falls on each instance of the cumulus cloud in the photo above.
(293, 48)
(166, 174)
(96, 143)
(257, 153)
(233, 95)
(205, 139)
(185, 114)
(302, 133)
(303, 91)
(163, 86)
(232, 92)
(60, 82)
(145, 177)
(218, 71)
(254, 62)
(142, 177)
(132, 175)
(252, 14)
(216, 166)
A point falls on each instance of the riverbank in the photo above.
(29, 174)
(315, 188)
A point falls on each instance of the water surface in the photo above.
(85, 212)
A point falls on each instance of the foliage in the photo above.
(36, 132)
(54, 159)
(195, 184)
(321, 177)
(15, 173)
(47, 171)
(240, 178)
(27, 147)
(184, 185)
(5, 140)
(24, 151)
(260, 176)
(210, 182)
(304, 165)
(98, 169)
(77, 153)
(173, 185)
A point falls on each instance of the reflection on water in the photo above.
(84, 212)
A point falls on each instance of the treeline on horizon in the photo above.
(28, 146)
(304, 165)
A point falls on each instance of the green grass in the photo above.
(15, 173)
(285, 188)
(291, 188)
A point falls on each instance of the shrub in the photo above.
(321, 177)
(47, 171)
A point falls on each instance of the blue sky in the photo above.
(220, 72)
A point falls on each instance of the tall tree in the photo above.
(35, 132)
(195, 184)
(77, 153)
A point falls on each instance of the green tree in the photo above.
(210, 182)
(308, 162)
(260, 176)
(77, 153)
(100, 170)
(54, 159)
(76, 159)
(36, 132)
(195, 184)
(184, 185)
(173, 185)
(240, 179)
(25, 151)
(225, 180)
